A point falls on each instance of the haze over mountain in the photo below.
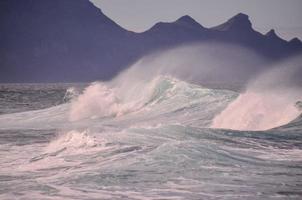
(73, 41)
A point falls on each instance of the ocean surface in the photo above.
(153, 141)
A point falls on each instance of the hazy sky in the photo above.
(139, 15)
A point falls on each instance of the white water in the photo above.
(97, 100)
(257, 111)
(159, 149)
(149, 137)
(268, 102)
(71, 140)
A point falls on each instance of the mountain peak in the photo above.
(185, 18)
(295, 41)
(241, 16)
(185, 21)
(272, 34)
(188, 21)
(238, 22)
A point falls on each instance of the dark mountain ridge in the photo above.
(73, 41)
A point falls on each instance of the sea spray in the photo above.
(99, 100)
(257, 111)
(166, 147)
(72, 140)
(60, 151)
(70, 94)
(208, 64)
(118, 98)
(194, 63)
(267, 102)
(96, 100)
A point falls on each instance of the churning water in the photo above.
(159, 139)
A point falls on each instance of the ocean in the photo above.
(158, 139)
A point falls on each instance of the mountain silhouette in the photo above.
(59, 40)
(73, 41)
(239, 22)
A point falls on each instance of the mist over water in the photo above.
(151, 133)
(268, 101)
(269, 91)
(258, 111)
(210, 64)
(131, 90)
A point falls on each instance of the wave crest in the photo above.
(101, 100)
(72, 140)
(97, 100)
(257, 111)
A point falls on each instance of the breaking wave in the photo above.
(154, 136)
(257, 111)
(251, 110)
(106, 137)
(164, 98)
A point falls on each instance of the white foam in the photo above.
(269, 101)
(115, 99)
(72, 140)
(70, 94)
(97, 100)
(257, 111)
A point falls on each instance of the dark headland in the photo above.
(73, 41)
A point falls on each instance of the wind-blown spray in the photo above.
(269, 101)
